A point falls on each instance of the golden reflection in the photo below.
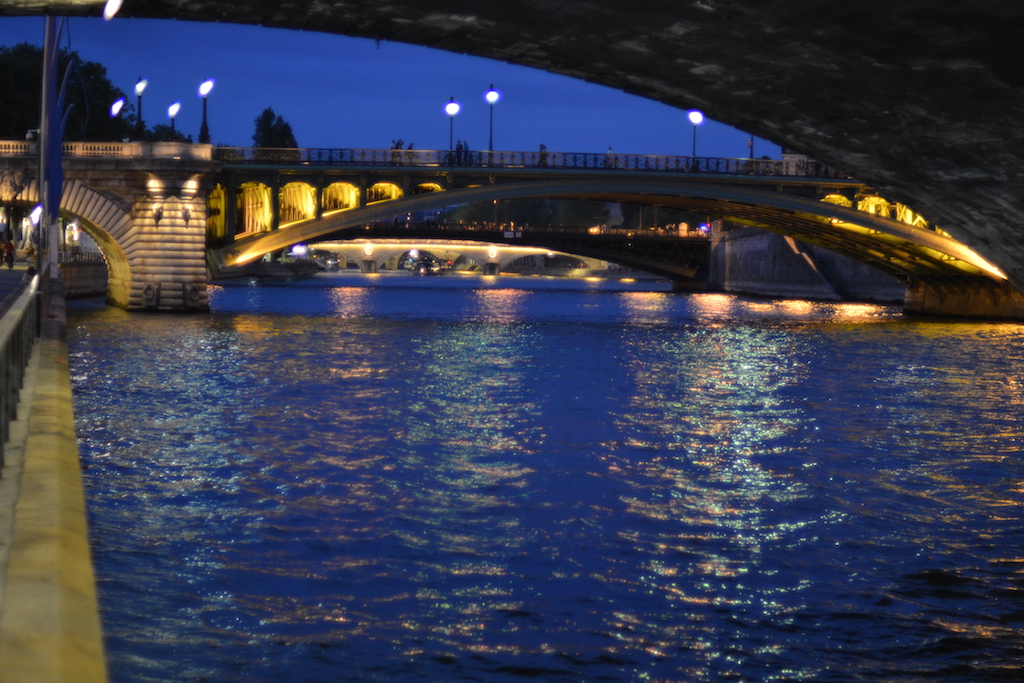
(860, 310)
(647, 306)
(797, 306)
(713, 304)
(350, 302)
(505, 305)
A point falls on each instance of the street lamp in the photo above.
(491, 96)
(452, 108)
(172, 111)
(139, 127)
(696, 117)
(110, 9)
(116, 107)
(204, 130)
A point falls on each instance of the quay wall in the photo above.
(82, 280)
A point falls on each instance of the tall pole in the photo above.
(51, 174)
(451, 108)
(140, 127)
(696, 117)
(204, 130)
(491, 97)
(172, 111)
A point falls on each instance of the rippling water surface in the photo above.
(447, 479)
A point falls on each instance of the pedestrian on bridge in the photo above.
(9, 254)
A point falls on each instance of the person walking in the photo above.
(9, 254)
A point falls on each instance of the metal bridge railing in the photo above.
(19, 328)
(79, 257)
(633, 163)
(804, 168)
(432, 227)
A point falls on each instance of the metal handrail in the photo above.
(541, 159)
(802, 168)
(80, 257)
(510, 231)
(18, 331)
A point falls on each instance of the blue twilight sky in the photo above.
(337, 91)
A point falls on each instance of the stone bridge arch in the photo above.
(145, 205)
(106, 219)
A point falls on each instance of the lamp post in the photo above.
(116, 107)
(204, 130)
(172, 111)
(696, 117)
(452, 108)
(139, 127)
(491, 96)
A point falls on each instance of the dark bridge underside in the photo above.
(922, 99)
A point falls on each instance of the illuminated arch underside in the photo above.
(888, 245)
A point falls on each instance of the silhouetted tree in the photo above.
(89, 92)
(273, 131)
(162, 133)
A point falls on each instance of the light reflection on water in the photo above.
(442, 479)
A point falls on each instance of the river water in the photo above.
(355, 478)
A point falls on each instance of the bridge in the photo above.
(155, 208)
(921, 99)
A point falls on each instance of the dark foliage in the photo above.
(89, 94)
(273, 131)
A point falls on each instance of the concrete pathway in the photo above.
(11, 281)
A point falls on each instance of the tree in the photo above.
(89, 94)
(162, 133)
(273, 131)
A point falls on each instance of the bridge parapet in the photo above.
(539, 160)
(116, 150)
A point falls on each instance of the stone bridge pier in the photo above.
(145, 205)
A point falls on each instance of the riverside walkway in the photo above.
(49, 617)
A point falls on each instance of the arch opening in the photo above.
(382, 192)
(255, 208)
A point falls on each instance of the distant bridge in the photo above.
(275, 198)
(165, 212)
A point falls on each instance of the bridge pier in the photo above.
(145, 205)
(963, 298)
